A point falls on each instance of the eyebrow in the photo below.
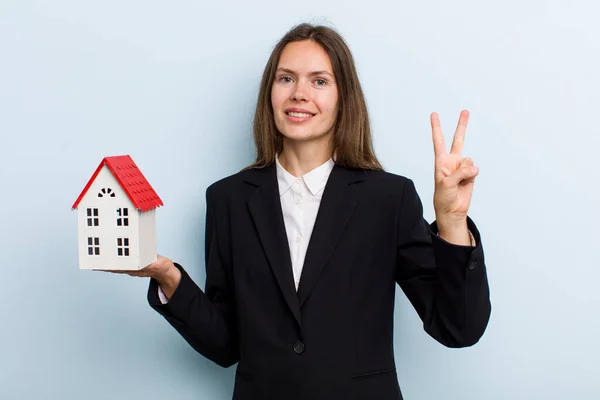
(289, 71)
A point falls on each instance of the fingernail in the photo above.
(474, 169)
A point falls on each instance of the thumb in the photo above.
(465, 172)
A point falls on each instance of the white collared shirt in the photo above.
(300, 199)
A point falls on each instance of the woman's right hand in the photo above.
(163, 270)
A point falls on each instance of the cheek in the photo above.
(328, 104)
(278, 97)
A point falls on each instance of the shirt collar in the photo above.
(315, 179)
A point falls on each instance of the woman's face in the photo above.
(304, 95)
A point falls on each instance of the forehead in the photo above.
(304, 56)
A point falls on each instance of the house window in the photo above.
(123, 247)
(122, 217)
(92, 217)
(93, 245)
(106, 192)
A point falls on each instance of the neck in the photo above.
(298, 158)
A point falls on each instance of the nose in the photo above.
(299, 94)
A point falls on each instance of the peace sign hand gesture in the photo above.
(454, 176)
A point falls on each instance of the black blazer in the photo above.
(333, 339)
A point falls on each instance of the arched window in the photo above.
(106, 192)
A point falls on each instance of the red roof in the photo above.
(131, 179)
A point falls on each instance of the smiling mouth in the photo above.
(299, 114)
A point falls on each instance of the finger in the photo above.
(470, 180)
(114, 271)
(438, 138)
(465, 173)
(466, 161)
(139, 274)
(443, 171)
(459, 135)
(124, 272)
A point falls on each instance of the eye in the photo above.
(285, 79)
(321, 82)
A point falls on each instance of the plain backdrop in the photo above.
(174, 84)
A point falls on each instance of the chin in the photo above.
(302, 134)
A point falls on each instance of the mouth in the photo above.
(298, 115)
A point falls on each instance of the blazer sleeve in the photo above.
(446, 283)
(206, 320)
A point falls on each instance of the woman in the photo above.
(305, 246)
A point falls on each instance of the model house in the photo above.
(116, 217)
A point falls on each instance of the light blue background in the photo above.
(174, 84)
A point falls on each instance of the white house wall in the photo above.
(107, 231)
(147, 236)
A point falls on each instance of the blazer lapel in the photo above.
(265, 208)
(340, 198)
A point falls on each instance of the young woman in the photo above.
(304, 247)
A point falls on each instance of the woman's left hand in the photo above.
(454, 175)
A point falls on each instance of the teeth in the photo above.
(299, 115)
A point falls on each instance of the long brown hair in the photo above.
(352, 142)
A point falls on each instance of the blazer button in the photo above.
(299, 348)
(473, 265)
